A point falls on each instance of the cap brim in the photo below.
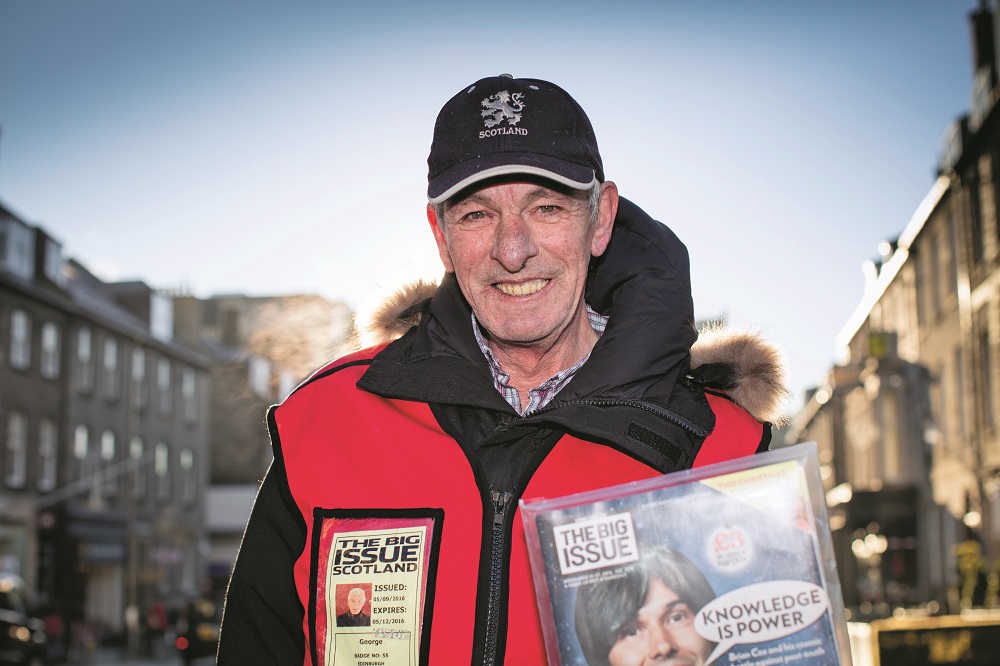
(461, 176)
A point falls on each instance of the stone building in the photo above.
(908, 426)
(105, 437)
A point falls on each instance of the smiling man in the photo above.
(554, 357)
(520, 252)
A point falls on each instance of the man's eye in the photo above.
(678, 616)
(474, 215)
(548, 210)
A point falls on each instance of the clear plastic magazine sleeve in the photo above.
(730, 563)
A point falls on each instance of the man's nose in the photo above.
(514, 242)
(661, 642)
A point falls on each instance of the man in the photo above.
(647, 617)
(354, 617)
(555, 357)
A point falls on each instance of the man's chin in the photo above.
(519, 338)
(520, 330)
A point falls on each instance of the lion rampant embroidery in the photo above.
(500, 106)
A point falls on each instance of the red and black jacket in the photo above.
(417, 429)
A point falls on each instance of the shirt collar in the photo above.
(542, 394)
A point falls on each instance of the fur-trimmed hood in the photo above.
(748, 368)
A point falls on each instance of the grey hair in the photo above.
(439, 212)
(594, 202)
(593, 205)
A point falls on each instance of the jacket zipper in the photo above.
(501, 501)
(665, 414)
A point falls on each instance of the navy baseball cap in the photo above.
(500, 126)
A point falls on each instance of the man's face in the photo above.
(355, 601)
(662, 632)
(520, 252)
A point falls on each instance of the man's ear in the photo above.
(440, 239)
(606, 212)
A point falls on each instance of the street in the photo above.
(119, 657)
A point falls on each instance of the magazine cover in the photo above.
(728, 564)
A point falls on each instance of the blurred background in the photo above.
(200, 200)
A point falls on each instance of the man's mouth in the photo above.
(521, 288)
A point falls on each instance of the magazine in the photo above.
(727, 564)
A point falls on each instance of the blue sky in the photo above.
(265, 147)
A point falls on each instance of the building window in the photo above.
(961, 420)
(17, 248)
(935, 274)
(940, 405)
(49, 361)
(986, 380)
(286, 384)
(981, 97)
(230, 328)
(20, 340)
(107, 458)
(81, 450)
(975, 218)
(138, 377)
(952, 270)
(109, 379)
(48, 451)
(161, 466)
(161, 316)
(107, 446)
(163, 386)
(189, 392)
(189, 481)
(81, 442)
(995, 182)
(84, 360)
(891, 446)
(919, 292)
(259, 371)
(17, 449)
(137, 452)
(53, 264)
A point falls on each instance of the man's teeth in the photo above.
(522, 288)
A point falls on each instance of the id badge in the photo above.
(373, 573)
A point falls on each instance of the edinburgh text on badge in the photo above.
(596, 543)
